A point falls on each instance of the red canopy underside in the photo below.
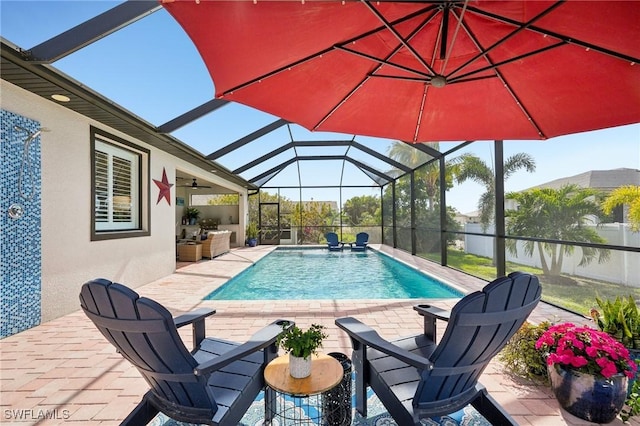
(334, 67)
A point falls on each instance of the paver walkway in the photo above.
(65, 372)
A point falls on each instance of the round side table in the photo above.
(300, 401)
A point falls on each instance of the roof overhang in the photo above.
(44, 80)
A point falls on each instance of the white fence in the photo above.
(623, 267)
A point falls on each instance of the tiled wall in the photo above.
(20, 239)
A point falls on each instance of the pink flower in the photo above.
(579, 361)
(585, 349)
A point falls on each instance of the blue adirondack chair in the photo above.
(214, 384)
(333, 244)
(362, 239)
(417, 378)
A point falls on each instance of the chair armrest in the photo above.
(366, 336)
(432, 311)
(193, 316)
(197, 319)
(431, 314)
(263, 338)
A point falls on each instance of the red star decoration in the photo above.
(165, 188)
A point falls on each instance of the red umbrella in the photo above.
(425, 70)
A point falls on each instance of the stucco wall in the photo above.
(69, 257)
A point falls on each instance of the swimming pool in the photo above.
(320, 274)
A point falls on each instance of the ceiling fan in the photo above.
(194, 185)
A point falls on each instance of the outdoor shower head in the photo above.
(31, 135)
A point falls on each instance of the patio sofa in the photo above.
(217, 243)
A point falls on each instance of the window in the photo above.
(120, 187)
(215, 199)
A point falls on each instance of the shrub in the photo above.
(520, 355)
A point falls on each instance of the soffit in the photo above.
(44, 80)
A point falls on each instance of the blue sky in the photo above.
(152, 69)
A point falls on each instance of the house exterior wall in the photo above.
(69, 257)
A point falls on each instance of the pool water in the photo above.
(313, 274)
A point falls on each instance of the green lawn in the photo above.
(574, 293)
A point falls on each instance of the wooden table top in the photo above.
(326, 373)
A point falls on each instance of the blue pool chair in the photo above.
(416, 378)
(214, 384)
(332, 242)
(362, 239)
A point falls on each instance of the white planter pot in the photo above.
(299, 367)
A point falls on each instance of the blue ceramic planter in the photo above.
(589, 397)
(635, 357)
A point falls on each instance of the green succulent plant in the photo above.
(619, 318)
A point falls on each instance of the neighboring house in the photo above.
(88, 190)
(621, 267)
(471, 217)
(604, 180)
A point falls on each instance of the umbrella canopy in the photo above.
(425, 70)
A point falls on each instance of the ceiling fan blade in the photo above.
(194, 185)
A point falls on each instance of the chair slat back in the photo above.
(362, 238)
(145, 334)
(479, 326)
(332, 238)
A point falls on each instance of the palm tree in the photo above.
(630, 195)
(473, 168)
(411, 157)
(427, 177)
(427, 193)
(556, 214)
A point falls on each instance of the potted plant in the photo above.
(620, 318)
(192, 214)
(252, 234)
(301, 344)
(520, 355)
(588, 370)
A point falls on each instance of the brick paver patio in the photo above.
(65, 371)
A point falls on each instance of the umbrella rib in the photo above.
(507, 86)
(397, 77)
(444, 33)
(419, 120)
(393, 31)
(521, 27)
(277, 71)
(455, 34)
(559, 36)
(386, 61)
(468, 80)
(342, 101)
(508, 61)
(382, 61)
(325, 51)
